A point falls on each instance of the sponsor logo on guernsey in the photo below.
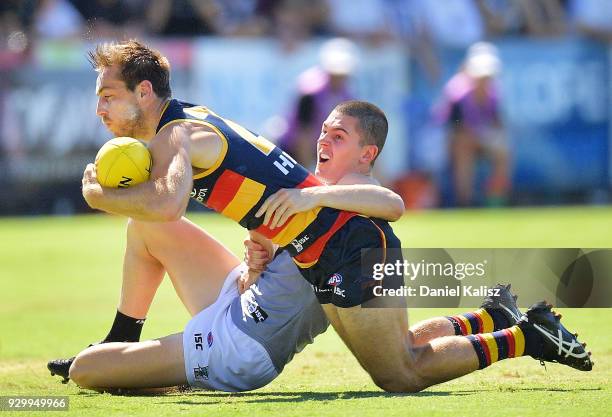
(197, 338)
(209, 339)
(259, 315)
(298, 244)
(200, 373)
(320, 290)
(335, 280)
(256, 312)
(199, 194)
(285, 164)
(334, 289)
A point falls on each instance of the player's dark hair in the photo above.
(372, 122)
(137, 62)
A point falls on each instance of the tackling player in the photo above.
(234, 171)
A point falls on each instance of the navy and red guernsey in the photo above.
(249, 170)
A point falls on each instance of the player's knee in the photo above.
(82, 372)
(136, 233)
(405, 382)
(403, 378)
(407, 376)
(418, 370)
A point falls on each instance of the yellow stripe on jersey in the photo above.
(199, 111)
(295, 226)
(261, 143)
(248, 195)
(304, 265)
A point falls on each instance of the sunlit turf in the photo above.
(60, 279)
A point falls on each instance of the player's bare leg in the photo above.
(148, 364)
(380, 340)
(430, 329)
(196, 263)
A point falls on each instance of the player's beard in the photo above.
(132, 125)
(136, 118)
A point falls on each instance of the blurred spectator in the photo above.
(10, 20)
(471, 112)
(183, 17)
(112, 18)
(320, 88)
(15, 21)
(365, 20)
(502, 17)
(57, 19)
(434, 25)
(592, 18)
(523, 17)
(240, 18)
(454, 23)
(294, 21)
(544, 17)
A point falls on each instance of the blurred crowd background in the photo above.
(490, 102)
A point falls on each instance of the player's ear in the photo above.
(368, 153)
(144, 89)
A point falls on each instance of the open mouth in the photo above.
(323, 157)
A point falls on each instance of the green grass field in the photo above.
(60, 279)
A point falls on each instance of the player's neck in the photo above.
(152, 118)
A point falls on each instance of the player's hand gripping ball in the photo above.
(123, 162)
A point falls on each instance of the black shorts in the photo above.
(343, 274)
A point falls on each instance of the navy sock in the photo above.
(500, 321)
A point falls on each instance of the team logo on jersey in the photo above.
(209, 339)
(251, 307)
(200, 373)
(335, 280)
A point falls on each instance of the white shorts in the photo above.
(220, 356)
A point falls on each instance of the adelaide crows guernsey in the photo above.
(249, 170)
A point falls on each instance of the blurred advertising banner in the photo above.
(555, 98)
(438, 277)
(558, 109)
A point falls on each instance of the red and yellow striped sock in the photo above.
(502, 344)
(479, 321)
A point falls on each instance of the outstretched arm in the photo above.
(164, 196)
(364, 198)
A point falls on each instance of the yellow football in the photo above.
(123, 162)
